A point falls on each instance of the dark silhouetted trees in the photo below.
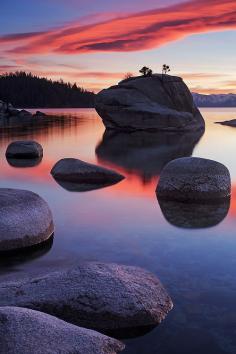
(26, 90)
(146, 71)
(165, 69)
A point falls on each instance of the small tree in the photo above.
(165, 69)
(128, 76)
(149, 73)
(146, 71)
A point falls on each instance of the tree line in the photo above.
(27, 90)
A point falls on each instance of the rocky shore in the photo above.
(12, 117)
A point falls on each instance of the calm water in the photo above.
(124, 223)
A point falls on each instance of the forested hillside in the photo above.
(26, 90)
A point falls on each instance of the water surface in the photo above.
(125, 224)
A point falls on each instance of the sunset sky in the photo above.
(95, 42)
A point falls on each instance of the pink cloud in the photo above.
(134, 32)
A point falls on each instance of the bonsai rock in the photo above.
(157, 102)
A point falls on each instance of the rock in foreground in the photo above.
(194, 179)
(86, 176)
(24, 331)
(24, 150)
(25, 219)
(230, 123)
(107, 297)
(159, 102)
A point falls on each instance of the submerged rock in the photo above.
(230, 123)
(194, 215)
(194, 179)
(145, 153)
(24, 331)
(107, 297)
(25, 219)
(158, 102)
(24, 150)
(83, 175)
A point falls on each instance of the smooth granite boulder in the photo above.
(110, 298)
(194, 179)
(158, 102)
(84, 176)
(24, 331)
(25, 219)
(145, 153)
(24, 150)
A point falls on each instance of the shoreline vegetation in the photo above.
(23, 90)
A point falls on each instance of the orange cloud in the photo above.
(134, 32)
(210, 90)
(201, 76)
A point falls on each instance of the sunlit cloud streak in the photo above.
(134, 32)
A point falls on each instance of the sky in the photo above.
(96, 42)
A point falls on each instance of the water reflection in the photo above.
(35, 126)
(24, 163)
(145, 153)
(81, 187)
(11, 259)
(192, 215)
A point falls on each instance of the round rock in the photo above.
(24, 150)
(194, 179)
(77, 171)
(113, 299)
(25, 219)
(24, 331)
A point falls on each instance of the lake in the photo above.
(124, 223)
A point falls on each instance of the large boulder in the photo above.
(82, 175)
(24, 331)
(194, 179)
(110, 298)
(145, 153)
(158, 102)
(24, 150)
(25, 219)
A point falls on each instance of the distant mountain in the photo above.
(220, 100)
(26, 90)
